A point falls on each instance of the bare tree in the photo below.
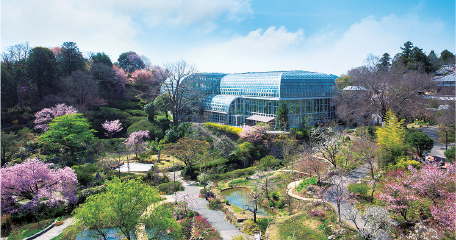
(337, 192)
(254, 199)
(327, 142)
(367, 151)
(83, 88)
(178, 85)
(311, 164)
(397, 89)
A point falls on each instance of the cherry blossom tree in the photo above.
(112, 127)
(38, 182)
(46, 115)
(255, 133)
(136, 141)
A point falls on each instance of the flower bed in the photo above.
(204, 230)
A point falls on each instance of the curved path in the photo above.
(55, 231)
(439, 148)
(197, 204)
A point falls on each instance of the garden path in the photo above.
(55, 231)
(354, 176)
(439, 148)
(197, 204)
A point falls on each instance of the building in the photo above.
(249, 98)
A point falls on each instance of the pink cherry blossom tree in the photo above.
(46, 115)
(27, 185)
(255, 133)
(112, 127)
(136, 141)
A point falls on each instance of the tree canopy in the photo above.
(41, 68)
(70, 59)
(130, 61)
(421, 142)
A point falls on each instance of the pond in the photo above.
(238, 197)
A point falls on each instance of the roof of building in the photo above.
(218, 103)
(353, 88)
(259, 118)
(447, 78)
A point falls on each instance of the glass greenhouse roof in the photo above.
(218, 103)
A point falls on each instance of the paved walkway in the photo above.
(55, 231)
(439, 148)
(216, 218)
(353, 177)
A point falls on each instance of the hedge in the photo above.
(225, 128)
(168, 188)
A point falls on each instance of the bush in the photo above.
(136, 112)
(234, 174)
(226, 128)
(168, 188)
(303, 185)
(403, 163)
(154, 130)
(450, 154)
(85, 173)
(269, 161)
(215, 204)
(361, 188)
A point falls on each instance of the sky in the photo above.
(233, 36)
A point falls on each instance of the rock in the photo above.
(310, 189)
(332, 237)
(339, 232)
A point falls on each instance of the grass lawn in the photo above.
(30, 229)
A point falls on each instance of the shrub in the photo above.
(215, 204)
(269, 161)
(403, 163)
(154, 130)
(303, 185)
(168, 188)
(136, 112)
(450, 154)
(226, 128)
(361, 188)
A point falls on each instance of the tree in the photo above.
(9, 146)
(377, 223)
(384, 64)
(178, 86)
(188, 150)
(337, 192)
(434, 60)
(367, 151)
(144, 81)
(254, 199)
(112, 127)
(399, 89)
(45, 115)
(121, 206)
(163, 224)
(225, 146)
(282, 116)
(162, 103)
(68, 133)
(446, 57)
(95, 215)
(328, 142)
(151, 111)
(391, 138)
(70, 59)
(255, 133)
(101, 58)
(83, 88)
(343, 81)
(136, 141)
(130, 61)
(39, 182)
(421, 142)
(41, 68)
(111, 81)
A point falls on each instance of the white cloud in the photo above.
(328, 51)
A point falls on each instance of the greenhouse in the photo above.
(249, 98)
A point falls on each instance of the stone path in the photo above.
(55, 231)
(216, 218)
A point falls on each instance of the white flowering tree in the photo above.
(112, 127)
(136, 141)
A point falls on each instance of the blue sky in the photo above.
(329, 36)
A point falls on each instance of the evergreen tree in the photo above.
(70, 58)
(101, 58)
(282, 116)
(41, 68)
(384, 63)
(434, 60)
(447, 57)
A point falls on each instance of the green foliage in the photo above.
(9, 146)
(101, 58)
(343, 81)
(282, 116)
(225, 128)
(288, 229)
(403, 163)
(303, 185)
(391, 139)
(366, 131)
(360, 189)
(70, 59)
(168, 188)
(117, 207)
(150, 111)
(263, 223)
(450, 154)
(135, 112)
(85, 173)
(41, 68)
(215, 204)
(234, 174)
(164, 224)
(69, 133)
(300, 133)
(269, 162)
(421, 142)
(153, 127)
